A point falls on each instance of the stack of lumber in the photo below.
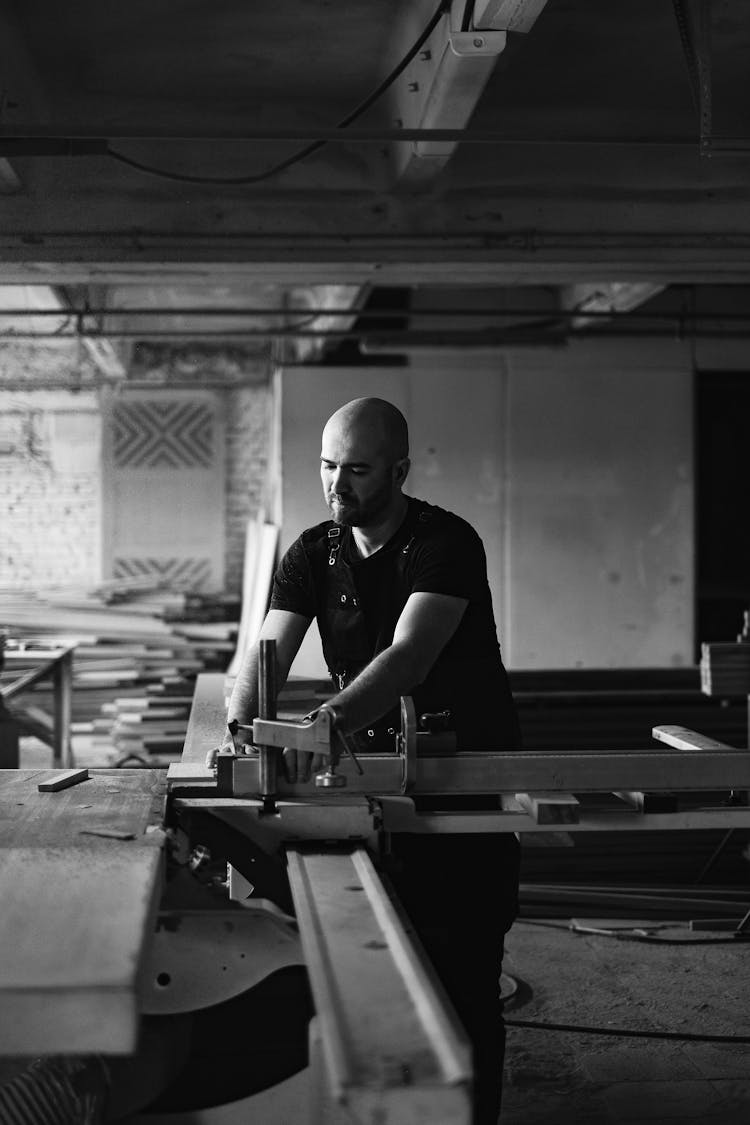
(139, 647)
(149, 725)
(725, 668)
(131, 643)
(612, 709)
(616, 709)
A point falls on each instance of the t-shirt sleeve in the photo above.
(450, 560)
(292, 583)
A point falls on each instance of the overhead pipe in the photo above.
(552, 313)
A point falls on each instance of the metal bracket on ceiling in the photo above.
(442, 85)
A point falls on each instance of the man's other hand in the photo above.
(226, 748)
(299, 765)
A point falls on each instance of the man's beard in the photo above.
(351, 512)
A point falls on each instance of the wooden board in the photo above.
(64, 780)
(73, 926)
(208, 718)
(77, 908)
(550, 808)
(684, 739)
(249, 571)
(528, 772)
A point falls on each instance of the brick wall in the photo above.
(248, 435)
(50, 483)
(50, 514)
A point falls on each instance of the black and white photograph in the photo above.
(375, 562)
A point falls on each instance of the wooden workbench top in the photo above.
(123, 802)
(81, 873)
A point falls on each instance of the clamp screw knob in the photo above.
(329, 780)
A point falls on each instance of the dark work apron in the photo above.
(347, 647)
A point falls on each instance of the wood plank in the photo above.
(190, 773)
(208, 717)
(648, 802)
(508, 821)
(684, 739)
(392, 1048)
(531, 771)
(261, 547)
(63, 780)
(73, 928)
(550, 808)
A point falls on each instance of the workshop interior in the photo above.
(526, 225)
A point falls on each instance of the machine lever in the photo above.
(234, 727)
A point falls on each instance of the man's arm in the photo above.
(426, 624)
(288, 630)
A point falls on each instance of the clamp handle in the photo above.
(407, 744)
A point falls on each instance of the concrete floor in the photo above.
(561, 1078)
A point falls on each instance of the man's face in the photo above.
(358, 481)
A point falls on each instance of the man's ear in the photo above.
(401, 470)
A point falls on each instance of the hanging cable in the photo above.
(467, 20)
(308, 150)
(636, 933)
(626, 1032)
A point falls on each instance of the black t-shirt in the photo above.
(444, 555)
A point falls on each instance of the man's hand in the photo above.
(228, 746)
(299, 765)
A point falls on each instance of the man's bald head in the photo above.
(364, 461)
(376, 423)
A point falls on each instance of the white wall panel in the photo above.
(599, 529)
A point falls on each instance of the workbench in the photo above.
(81, 874)
(26, 666)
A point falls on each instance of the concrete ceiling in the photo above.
(593, 173)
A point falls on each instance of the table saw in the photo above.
(96, 935)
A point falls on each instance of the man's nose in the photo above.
(338, 479)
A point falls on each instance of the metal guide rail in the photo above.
(686, 781)
(392, 1049)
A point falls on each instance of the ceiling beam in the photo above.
(514, 260)
(441, 86)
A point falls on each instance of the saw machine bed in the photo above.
(299, 849)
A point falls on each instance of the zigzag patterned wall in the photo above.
(162, 434)
(177, 573)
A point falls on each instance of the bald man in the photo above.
(399, 591)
